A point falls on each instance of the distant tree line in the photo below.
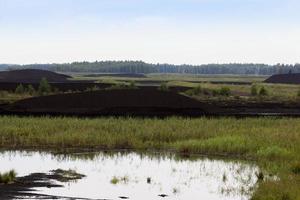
(146, 68)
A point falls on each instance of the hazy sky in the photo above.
(165, 31)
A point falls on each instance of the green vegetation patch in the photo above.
(8, 177)
(273, 143)
(221, 145)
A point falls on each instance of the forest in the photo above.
(146, 68)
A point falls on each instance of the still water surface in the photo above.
(180, 179)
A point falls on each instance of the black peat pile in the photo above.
(284, 78)
(31, 76)
(124, 102)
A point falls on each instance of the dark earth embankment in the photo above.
(146, 102)
(284, 78)
(254, 108)
(31, 76)
(132, 102)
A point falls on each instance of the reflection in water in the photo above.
(139, 176)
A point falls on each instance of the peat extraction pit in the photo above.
(129, 175)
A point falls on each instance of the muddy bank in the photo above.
(27, 187)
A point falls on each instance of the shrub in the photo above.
(254, 91)
(197, 90)
(114, 180)
(163, 87)
(298, 94)
(224, 91)
(20, 89)
(263, 91)
(44, 87)
(132, 85)
(30, 90)
(215, 92)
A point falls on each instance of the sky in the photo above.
(155, 31)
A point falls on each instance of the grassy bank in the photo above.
(272, 142)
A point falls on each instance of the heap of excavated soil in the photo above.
(143, 102)
(284, 78)
(31, 76)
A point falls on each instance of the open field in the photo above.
(271, 142)
(275, 91)
(172, 77)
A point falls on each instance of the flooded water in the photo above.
(139, 176)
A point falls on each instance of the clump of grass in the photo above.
(263, 91)
(175, 190)
(254, 90)
(115, 180)
(224, 177)
(8, 177)
(163, 87)
(225, 91)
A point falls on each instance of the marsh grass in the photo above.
(273, 143)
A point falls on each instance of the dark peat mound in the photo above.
(284, 78)
(123, 102)
(31, 76)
